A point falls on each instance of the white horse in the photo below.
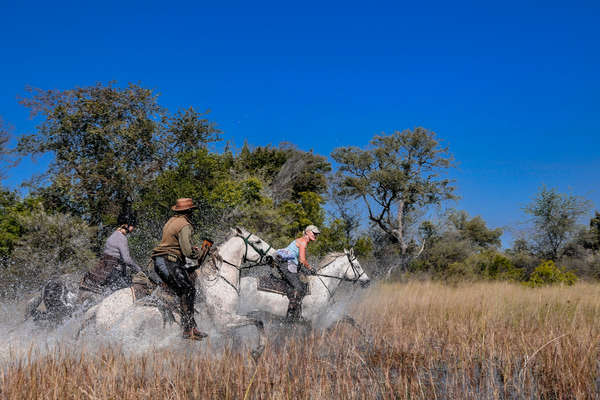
(334, 268)
(218, 283)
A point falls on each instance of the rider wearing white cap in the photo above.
(289, 259)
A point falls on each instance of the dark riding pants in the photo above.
(296, 286)
(178, 280)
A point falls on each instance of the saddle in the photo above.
(272, 284)
(141, 285)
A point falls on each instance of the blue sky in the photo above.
(512, 88)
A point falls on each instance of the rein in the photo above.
(260, 261)
(351, 265)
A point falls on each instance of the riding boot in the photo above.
(194, 334)
(291, 311)
(298, 312)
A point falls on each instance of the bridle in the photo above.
(255, 263)
(351, 264)
(262, 253)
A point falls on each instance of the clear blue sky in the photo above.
(512, 88)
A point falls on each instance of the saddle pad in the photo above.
(269, 283)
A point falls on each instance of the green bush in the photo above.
(488, 264)
(547, 273)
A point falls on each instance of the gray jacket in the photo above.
(118, 247)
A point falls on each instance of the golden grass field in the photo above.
(424, 340)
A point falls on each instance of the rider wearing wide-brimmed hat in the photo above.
(169, 263)
(289, 260)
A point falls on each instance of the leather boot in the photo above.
(290, 317)
(194, 334)
(298, 312)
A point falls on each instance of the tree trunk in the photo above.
(399, 234)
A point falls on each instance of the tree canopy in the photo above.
(394, 176)
(108, 142)
(554, 216)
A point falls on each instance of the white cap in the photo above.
(312, 229)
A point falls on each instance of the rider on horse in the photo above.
(115, 268)
(288, 261)
(169, 263)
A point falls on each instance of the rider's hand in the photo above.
(309, 270)
(195, 252)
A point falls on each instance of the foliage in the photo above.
(475, 230)
(52, 244)
(12, 209)
(595, 231)
(108, 143)
(301, 172)
(4, 151)
(461, 246)
(590, 239)
(397, 174)
(547, 273)
(447, 250)
(263, 161)
(487, 265)
(555, 219)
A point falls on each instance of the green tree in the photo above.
(301, 172)
(591, 237)
(554, 217)
(475, 230)
(12, 211)
(108, 143)
(395, 176)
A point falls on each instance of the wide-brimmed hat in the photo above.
(312, 229)
(184, 204)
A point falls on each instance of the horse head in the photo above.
(256, 250)
(355, 272)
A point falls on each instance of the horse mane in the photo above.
(232, 233)
(329, 257)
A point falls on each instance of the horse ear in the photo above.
(345, 251)
(352, 252)
(239, 230)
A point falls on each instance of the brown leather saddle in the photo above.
(272, 284)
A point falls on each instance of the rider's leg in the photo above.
(295, 294)
(187, 296)
(178, 280)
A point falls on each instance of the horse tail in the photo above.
(55, 298)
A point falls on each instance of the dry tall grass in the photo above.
(424, 340)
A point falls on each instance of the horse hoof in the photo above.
(257, 353)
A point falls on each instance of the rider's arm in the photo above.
(302, 257)
(185, 242)
(126, 257)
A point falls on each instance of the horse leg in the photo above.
(88, 319)
(241, 321)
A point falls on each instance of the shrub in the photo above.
(488, 264)
(547, 273)
(52, 244)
